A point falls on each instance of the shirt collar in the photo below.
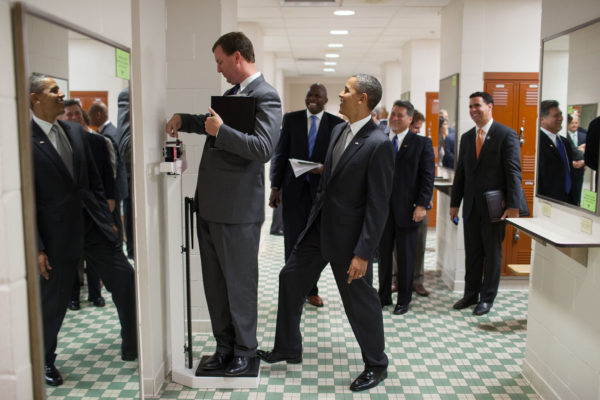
(248, 80)
(318, 115)
(103, 125)
(486, 127)
(550, 135)
(44, 125)
(358, 125)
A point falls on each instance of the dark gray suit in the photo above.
(347, 219)
(230, 200)
(497, 168)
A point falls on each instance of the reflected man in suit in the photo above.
(343, 229)
(411, 193)
(73, 221)
(230, 197)
(305, 135)
(577, 140)
(555, 156)
(488, 159)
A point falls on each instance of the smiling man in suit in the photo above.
(305, 135)
(411, 193)
(555, 157)
(488, 159)
(230, 197)
(73, 221)
(343, 229)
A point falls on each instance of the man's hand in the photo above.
(581, 147)
(453, 213)
(578, 164)
(212, 123)
(111, 204)
(173, 126)
(317, 170)
(274, 198)
(115, 230)
(511, 213)
(358, 268)
(44, 265)
(419, 213)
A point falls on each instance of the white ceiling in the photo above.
(299, 35)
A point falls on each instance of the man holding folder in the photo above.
(230, 199)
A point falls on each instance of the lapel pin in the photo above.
(405, 145)
(355, 142)
(42, 142)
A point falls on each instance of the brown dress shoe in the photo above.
(421, 291)
(315, 300)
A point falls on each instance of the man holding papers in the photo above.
(304, 138)
(230, 198)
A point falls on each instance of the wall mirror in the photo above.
(447, 144)
(570, 76)
(85, 66)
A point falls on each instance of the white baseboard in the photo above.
(539, 384)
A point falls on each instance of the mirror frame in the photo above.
(456, 77)
(20, 14)
(541, 85)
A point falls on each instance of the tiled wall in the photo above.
(15, 366)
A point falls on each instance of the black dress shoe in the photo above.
(74, 305)
(482, 308)
(238, 366)
(53, 377)
(369, 378)
(386, 302)
(218, 360)
(98, 301)
(400, 309)
(129, 355)
(464, 303)
(275, 357)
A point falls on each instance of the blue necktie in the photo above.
(235, 89)
(395, 143)
(312, 135)
(561, 150)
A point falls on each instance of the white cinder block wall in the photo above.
(562, 357)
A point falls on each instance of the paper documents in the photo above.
(302, 166)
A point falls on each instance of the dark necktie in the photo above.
(563, 155)
(62, 148)
(312, 134)
(235, 89)
(340, 146)
(395, 143)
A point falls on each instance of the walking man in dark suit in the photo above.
(555, 157)
(305, 135)
(411, 193)
(73, 221)
(343, 229)
(230, 198)
(488, 159)
(576, 139)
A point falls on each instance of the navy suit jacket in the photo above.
(103, 165)
(551, 171)
(592, 144)
(353, 198)
(497, 168)
(413, 178)
(293, 143)
(121, 187)
(61, 199)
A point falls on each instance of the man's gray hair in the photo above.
(370, 85)
(36, 82)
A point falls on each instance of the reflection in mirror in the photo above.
(570, 93)
(448, 115)
(80, 174)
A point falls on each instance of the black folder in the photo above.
(497, 205)
(237, 112)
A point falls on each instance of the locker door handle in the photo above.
(521, 137)
(516, 236)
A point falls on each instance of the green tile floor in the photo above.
(435, 352)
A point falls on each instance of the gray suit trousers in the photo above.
(229, 255)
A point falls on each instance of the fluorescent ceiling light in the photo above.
(330, 63)
(332, 55)
(344, 13)
(339, 31)
(335, 45)
(328, 69)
